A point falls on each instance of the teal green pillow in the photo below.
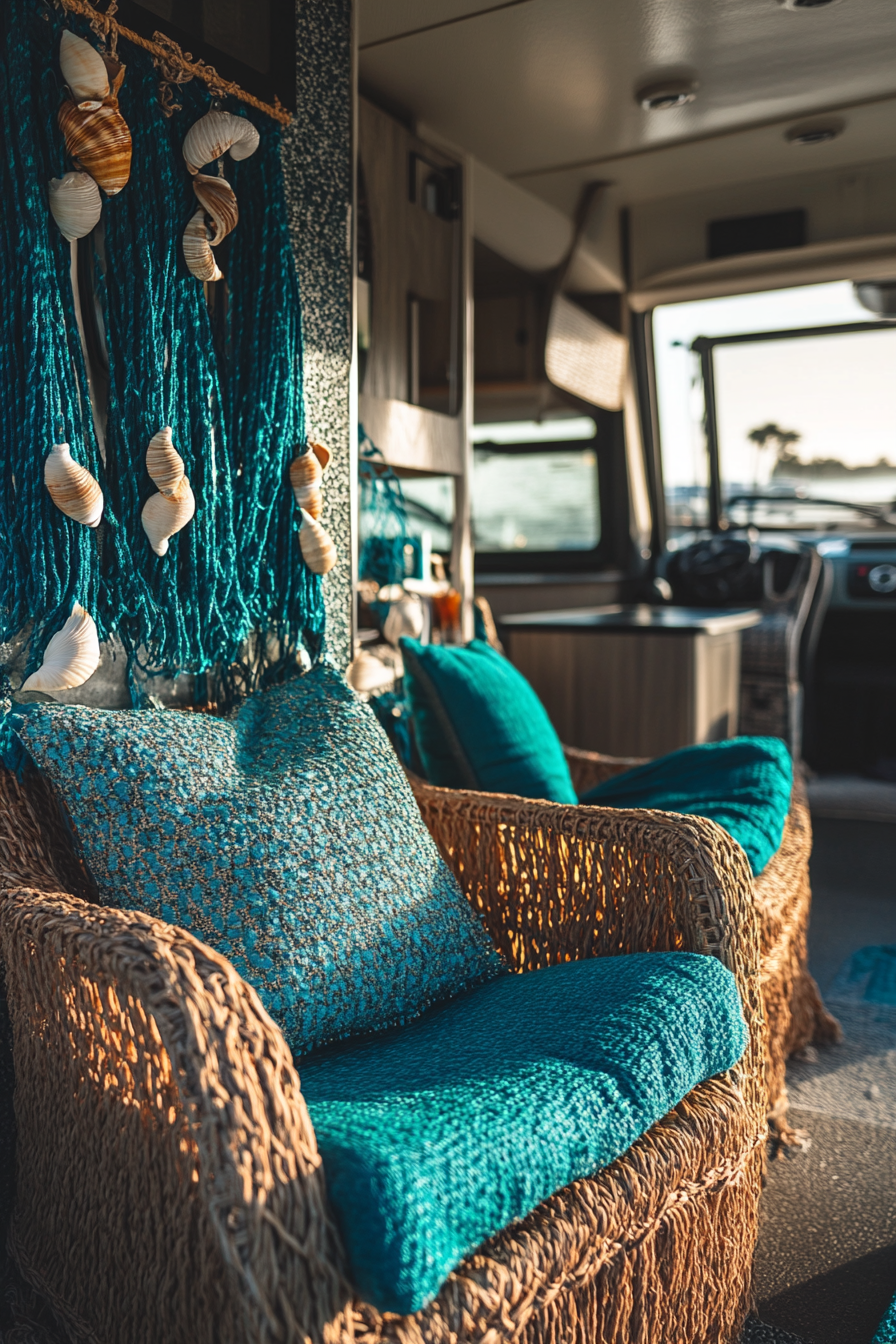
(478, 723)
(744, 784)
(286, 838)
(437, 1135)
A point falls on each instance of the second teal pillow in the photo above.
(479, 724)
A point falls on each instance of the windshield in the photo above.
(805, 423)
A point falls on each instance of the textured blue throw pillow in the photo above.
(478, 723)
(286, 838)
(744, 784)
(437, 1135)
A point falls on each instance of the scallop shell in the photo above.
(163, 462)
(71, 486)
(72, 655)
(163, 515)
(317, 545)
(215, 133)
(216, 196)
(100, 142)
(75, 204)
(198, 254)
(84, 71)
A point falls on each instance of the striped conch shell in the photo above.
(216, 196)
(163, 462)
(317, 545)
(71, 486)
(165, 514)
(305, 474)
(215, 133)
(84, 71)
(99, 142)
(75, 204)
(72, 655)
(198, 254)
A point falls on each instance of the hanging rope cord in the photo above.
(47, 561)
(236, 414)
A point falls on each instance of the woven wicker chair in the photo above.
(168, 1183)
(782, 893)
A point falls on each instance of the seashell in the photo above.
(405, 617)
(163, 462)
(305, 473)
(99, 141)
(215, 133)
(72, 488)
(165, 514)
(198, 254)
(84, 71)
(75, 204)
(317, 545)
(217, 198)
(72, 655)
(367, 673)
(322, 454)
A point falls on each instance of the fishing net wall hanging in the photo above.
(156, 482)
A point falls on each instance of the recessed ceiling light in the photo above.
(814, 133)
(806, 4)
(664, 94)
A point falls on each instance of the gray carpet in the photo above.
(826, 1261)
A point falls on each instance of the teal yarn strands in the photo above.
(383, 521)
(47, 560)
(265, 408)
(184, 610)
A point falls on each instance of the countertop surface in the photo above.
(635, 617)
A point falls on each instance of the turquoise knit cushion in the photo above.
(744, 784)
(479, 724)
(437, 1135)
(286, 838)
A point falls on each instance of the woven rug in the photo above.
(757, 1332)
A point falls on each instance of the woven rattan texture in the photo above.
(169, 1132)
(169, 1186)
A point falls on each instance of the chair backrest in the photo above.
(37, 845)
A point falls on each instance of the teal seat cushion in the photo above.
(437, 1135)
(286, 838)
(744, 784)
(478, 723)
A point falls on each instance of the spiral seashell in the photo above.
(165, 514)
(305, 473)
(317, 545)
(215, 133)
(84, 71)
(217, 198)
(71, 486)
(163, 462)
(72, 655)
(99, 141)
(75, 204)
(198, 253)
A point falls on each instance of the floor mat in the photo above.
(758, 1332)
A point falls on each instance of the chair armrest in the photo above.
(168, 1178)
(554, 883)
(590, 768)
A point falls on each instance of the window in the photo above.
(535, 488)
(802, 417)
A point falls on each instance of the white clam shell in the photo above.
(72, 488)
(83, 70)
(405, 617)
(75, 204)
(72, 655)
(163, 462)
(198, 254)
(368, 673)
(215, 133)
(165, 514)
(317, 545)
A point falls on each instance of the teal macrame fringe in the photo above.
(383, 522)
(236, 411)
